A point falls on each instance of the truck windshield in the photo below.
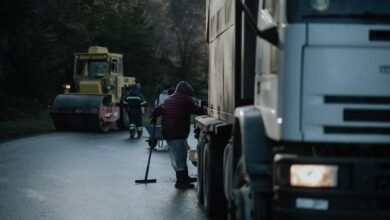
(339, 11)
(92, 68)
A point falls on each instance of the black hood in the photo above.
(185, 88)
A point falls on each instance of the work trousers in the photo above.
(178, 153)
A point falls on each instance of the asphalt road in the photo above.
(67, 175)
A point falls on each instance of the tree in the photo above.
(186, 24)
(161, 41)
(179, 43)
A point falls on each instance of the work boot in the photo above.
(139, 132)
(188, 178)
(182, 182)
(131, 135)
(132, 131)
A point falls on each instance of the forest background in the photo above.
(162, 42)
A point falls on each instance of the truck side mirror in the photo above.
(267, 28)
(271, 35)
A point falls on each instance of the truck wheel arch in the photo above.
(251, 183)
(253, 141)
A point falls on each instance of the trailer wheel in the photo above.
(208, 174)
(199, 188)
(214, 201)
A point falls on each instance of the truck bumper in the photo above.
(362, 190)
(329, 215)
(109, 113)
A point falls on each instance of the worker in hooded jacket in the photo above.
(175, 115)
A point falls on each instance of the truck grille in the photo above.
(365, 115)
(356, 130)
(382, 180)
(349, 101)
(360, 114)
(357, 100)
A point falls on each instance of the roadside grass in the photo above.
(40, 122)
(35, 124)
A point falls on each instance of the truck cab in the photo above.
(299, 104)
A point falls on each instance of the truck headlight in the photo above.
(313, 175)
(66, 86)
(320, 5)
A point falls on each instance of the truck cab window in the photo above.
(82, 68)
(97, 68)
(114, 66)
(272, 7)
(213, 28)
(228, 12)
(268, 5)
(220, 20)
(351, 12)
(120, 67)
(91, 68)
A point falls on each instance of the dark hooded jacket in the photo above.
(134, 102)
(176, 113)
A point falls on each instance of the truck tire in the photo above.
(214, 201)
(199, 188)
(237, 206)
(104, 126)
(248, 204)
(208, 180)
(262, 206)
(123, 121)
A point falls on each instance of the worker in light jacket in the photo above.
(175, 115)
(164, 95)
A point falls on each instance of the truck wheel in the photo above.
(248, 204)
(208, 174)
(213, 198)
(262, 206)
(237, 205)
(123, 121)
(199, 188)
(104, 126)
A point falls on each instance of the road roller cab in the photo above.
(99, 91)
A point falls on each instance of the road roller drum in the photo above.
(83, 112)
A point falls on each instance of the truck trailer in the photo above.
(298, 115)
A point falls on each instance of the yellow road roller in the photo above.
(100, 89)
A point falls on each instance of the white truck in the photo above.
(298, 116)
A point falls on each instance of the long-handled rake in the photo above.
(152, 142)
